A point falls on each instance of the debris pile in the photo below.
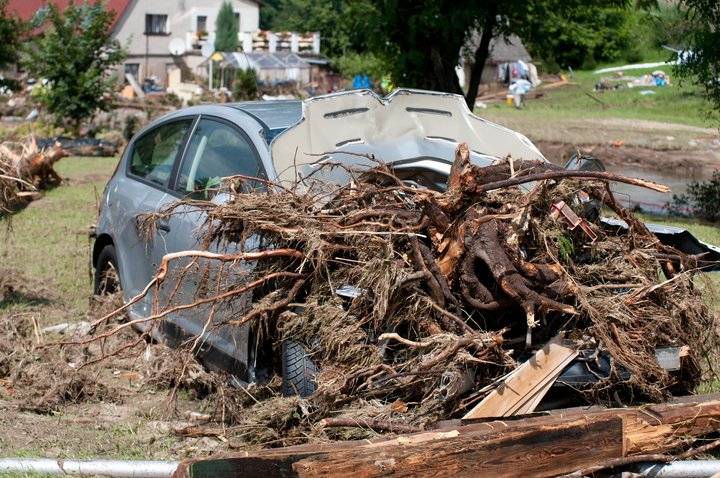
(82, 146)
(11, 182)
(25, 169)
(415, 305)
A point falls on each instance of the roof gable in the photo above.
(26, 9)
(501, 50)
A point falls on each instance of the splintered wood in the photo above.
(523, 389)
(572, 441)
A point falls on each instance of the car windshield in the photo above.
(275, 116)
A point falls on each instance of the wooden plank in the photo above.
(550, 450)
(539, 452)
(523, 389)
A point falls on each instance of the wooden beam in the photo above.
(561, 442)
(536, 451)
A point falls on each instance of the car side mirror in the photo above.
(584, 162)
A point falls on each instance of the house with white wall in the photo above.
(162, 35)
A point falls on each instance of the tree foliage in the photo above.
(11, 29)
(351, 64)
(702, 198)
(578, 35)
(421, 40)
(226, 29)
(345, 26)
(701, 56)
(74, 55)
(268, 13)
(245, 85)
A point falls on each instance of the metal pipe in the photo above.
(680, 469)
(119, 468)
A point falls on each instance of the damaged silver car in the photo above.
(185, 154)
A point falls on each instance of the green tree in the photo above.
(245, 85)
(11, 29)
(74, 56)
(267, 14)
(351, 64)
(226, 29)
(701, 44)
(579, 35)
(421, 40)
(345, 26)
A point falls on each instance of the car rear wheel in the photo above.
(107, 277)
(298, 370)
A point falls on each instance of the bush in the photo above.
(351, 64)
(245, 85)
(702, 198)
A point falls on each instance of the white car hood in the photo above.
(408, 124)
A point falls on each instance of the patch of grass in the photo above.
(49, 245)
(562, 112)
(705, 231)
(711, 386)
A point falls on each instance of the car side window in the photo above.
(216, 150)
(154, 153)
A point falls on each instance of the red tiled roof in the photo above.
(25, 9)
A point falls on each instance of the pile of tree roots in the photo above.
(10, 181)
(414, 304)
(25, 169)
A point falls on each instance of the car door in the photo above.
(145, 188)
(216, 149)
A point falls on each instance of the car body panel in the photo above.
(405, 125)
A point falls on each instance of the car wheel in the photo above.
(298, 370)
(107, 277)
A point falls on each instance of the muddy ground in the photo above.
(130, 406)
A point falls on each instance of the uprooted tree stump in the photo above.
(453, 287)
(25, 169)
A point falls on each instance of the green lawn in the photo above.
(703, 230)
(562, 108)
(47, 248)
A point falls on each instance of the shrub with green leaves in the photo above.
(245, 85)
(703, 198)
(75, 55)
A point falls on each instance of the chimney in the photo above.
(294, 42)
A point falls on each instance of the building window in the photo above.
(156, 25)
(132, 69)
(201, 24)
(237, 19)
(39, 17)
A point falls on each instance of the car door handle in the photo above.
(163, 226)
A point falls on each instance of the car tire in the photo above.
(298, 371)
(107, 275)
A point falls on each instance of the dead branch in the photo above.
(376, 425)
(572, 174)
